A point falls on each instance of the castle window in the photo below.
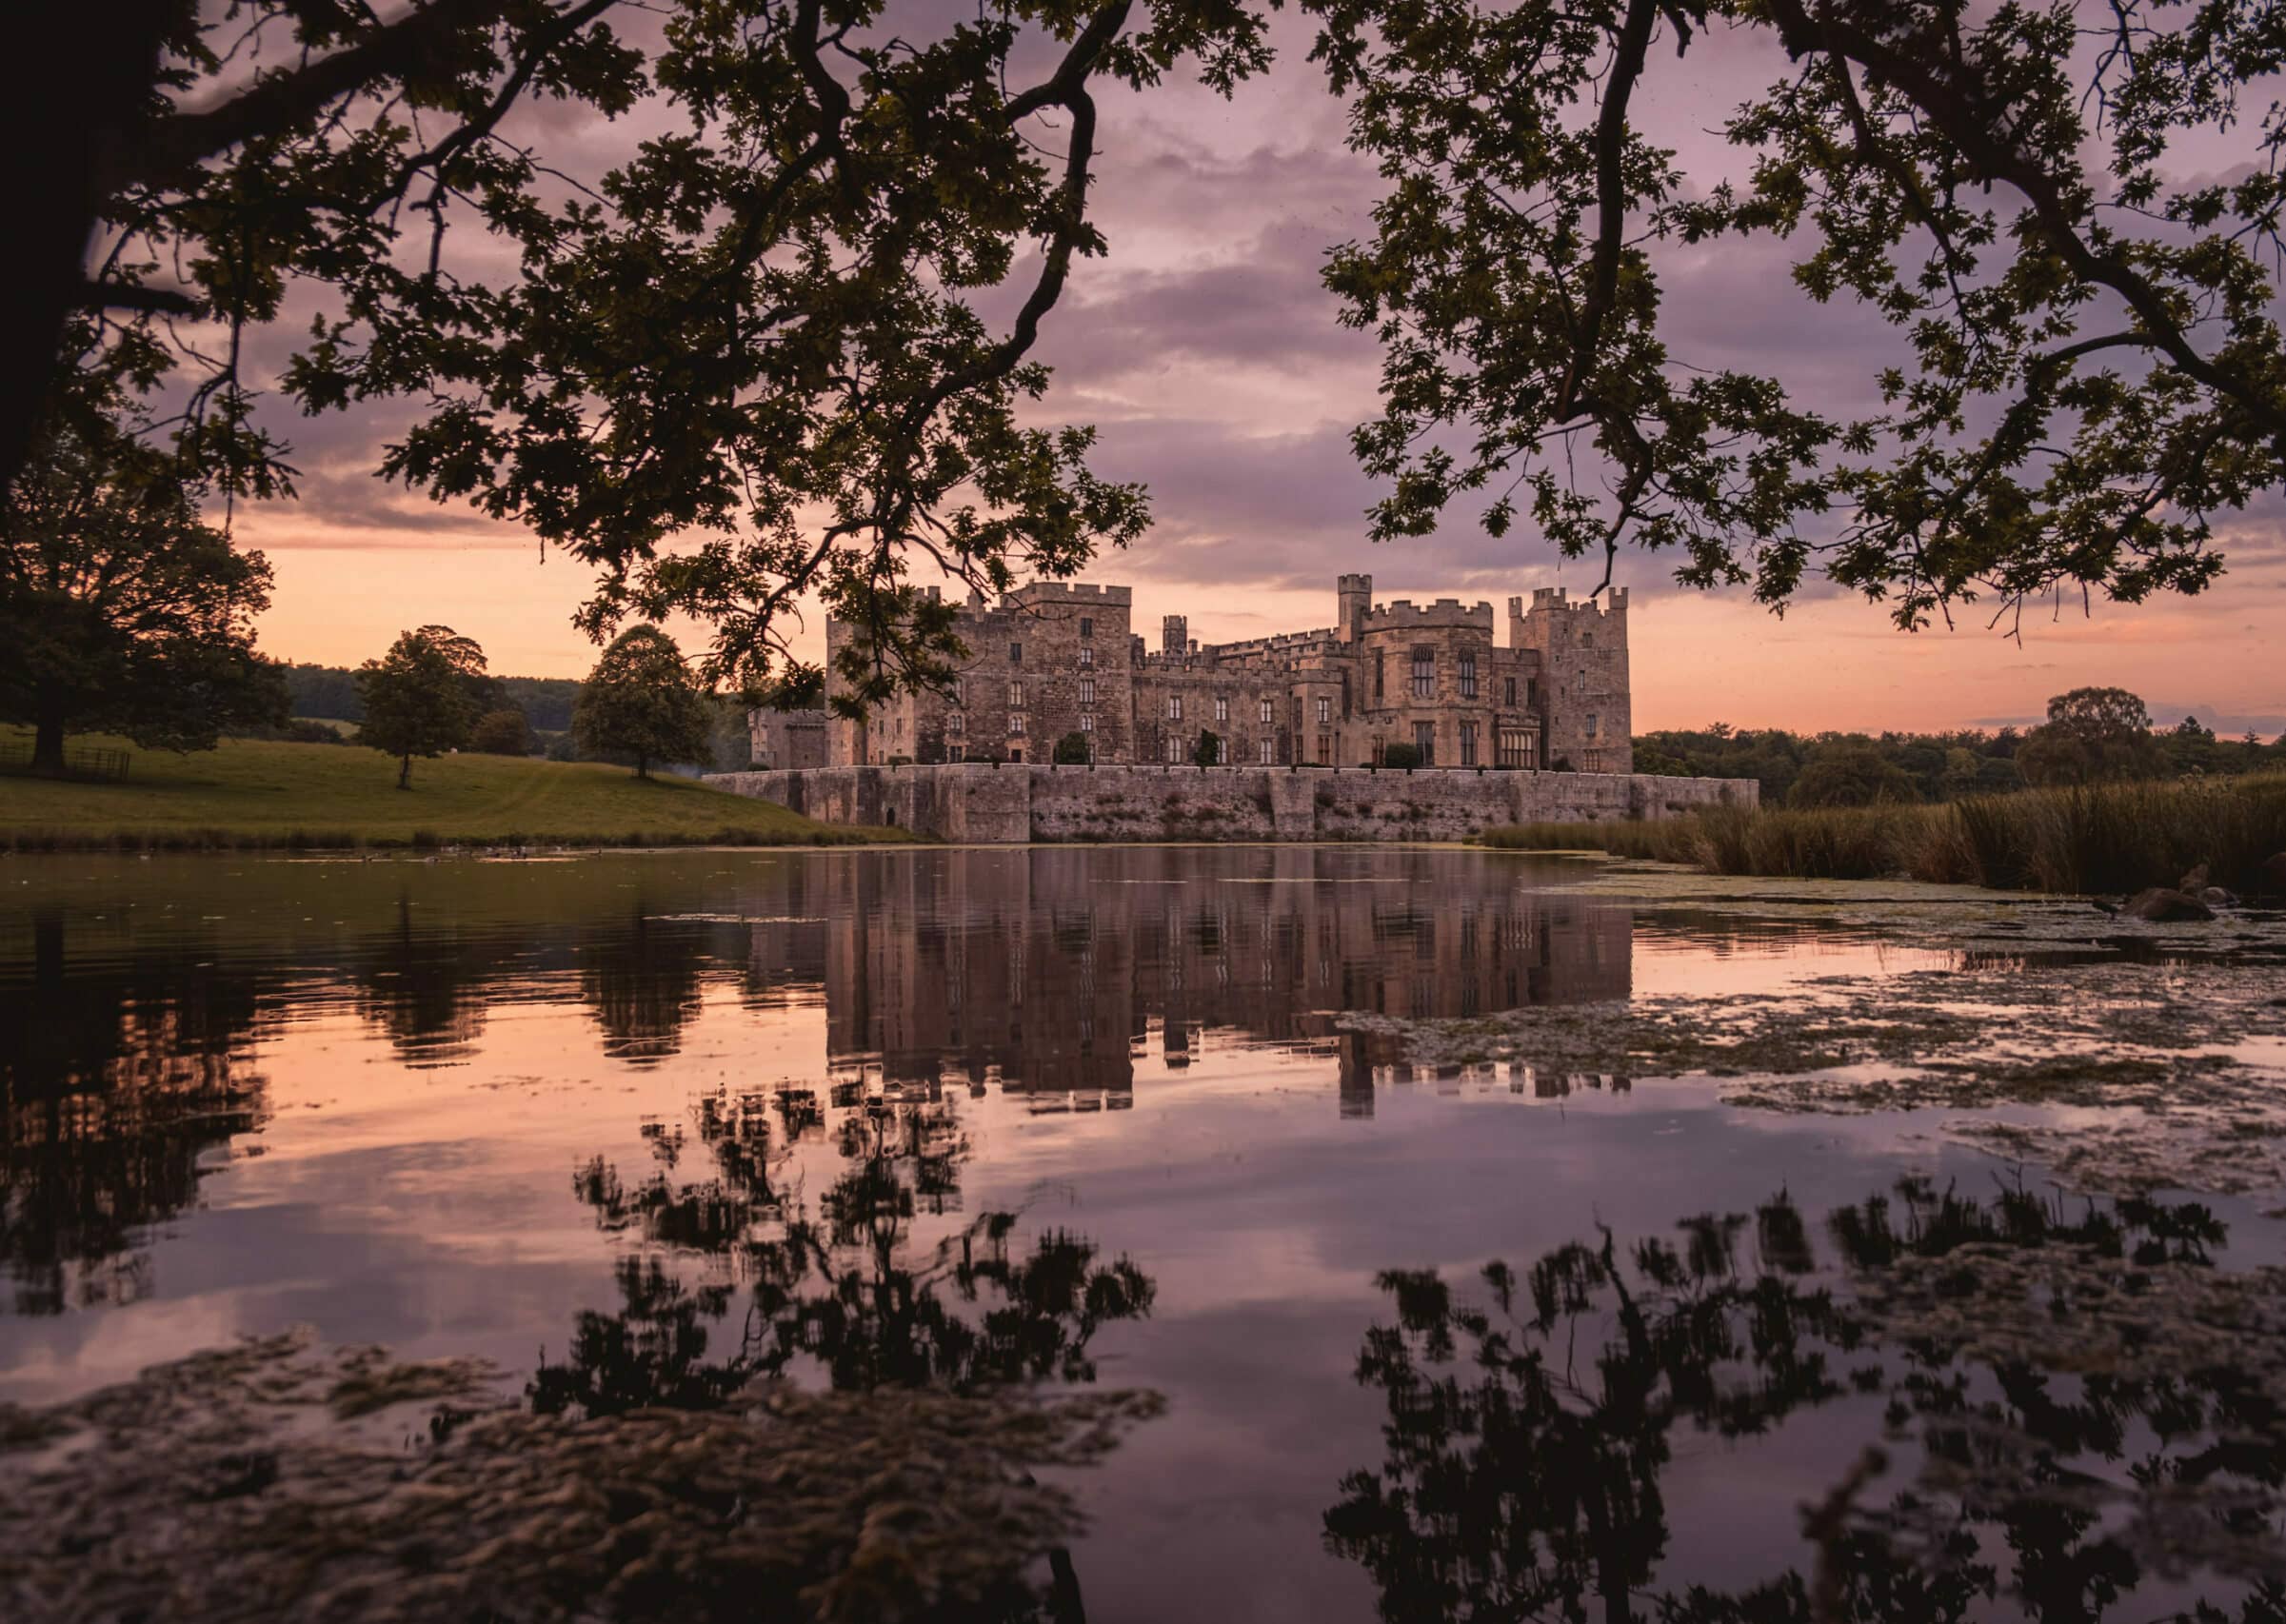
(1325, 749)
(1269, 749)
(1087, 690)
(1221, 751)
(1016, 654)
(1587, 639)
(1269, 712)
(1087, 721)
(1424, 739)
(1468, 743)
(1086, 627)
(1468, 676)
(956, 723)
(1086, 655)
(1515, 748)
(1016, 724)
(1174, 708)
(1381, 672)
(1591, 725)
(1174, 751)
(1015, 695)
(1222, 707)
(1511, 690)
(1584, 682)
(1425, 673)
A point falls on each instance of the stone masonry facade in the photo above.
(980, 802)
(1054, 662)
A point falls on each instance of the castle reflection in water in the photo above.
(1056, 973)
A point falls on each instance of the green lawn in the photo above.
(256, 794)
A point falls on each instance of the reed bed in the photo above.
(2115, 836)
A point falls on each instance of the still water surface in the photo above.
(638, 1126)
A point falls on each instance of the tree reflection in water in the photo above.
(839, 1289)
(1526, 1440)
(120, 1076)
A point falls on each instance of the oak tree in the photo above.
(417, 697)
(2091, 734)
(120, 611)
(790, 328)
(2069, 216)
(642, 702)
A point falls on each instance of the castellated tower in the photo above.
(1174, 636)
(1586, 718)
(1353, 598)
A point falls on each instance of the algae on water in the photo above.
(785, 1505)
(2125, 1056)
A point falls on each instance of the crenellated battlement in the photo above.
(1555, 599)
(1035, 592)
(1445, 613)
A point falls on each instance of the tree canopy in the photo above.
(641, 701)
(120, 611)
(760, 332)
(2067, 217)
(790, 330)
(418, 697)
(2092, 733)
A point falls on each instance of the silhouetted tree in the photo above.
(2091, 734)
(120, 611)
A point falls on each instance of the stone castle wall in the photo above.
(979, 803)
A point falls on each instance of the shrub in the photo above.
(1400, 756)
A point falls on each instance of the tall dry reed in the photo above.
(2115, 836)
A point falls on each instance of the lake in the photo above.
(1509, 1237)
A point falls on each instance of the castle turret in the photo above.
(1586, 713)
(1353, 599)
(1174, 638)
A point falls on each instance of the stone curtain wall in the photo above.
(983, 805)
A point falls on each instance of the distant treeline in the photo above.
(330, 692)
(2092, 736)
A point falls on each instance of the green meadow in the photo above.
(250, 794)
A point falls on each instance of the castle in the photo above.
(1055, 661)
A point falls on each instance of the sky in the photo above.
(1207, 354)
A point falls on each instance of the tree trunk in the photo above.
(48, 738)
(643, 766)
(405, 772)
(88, 93)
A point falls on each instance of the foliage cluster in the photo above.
(120, 610)
(2092, 735)
(642, 703)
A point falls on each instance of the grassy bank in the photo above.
(250, 794)
(2110, 838)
